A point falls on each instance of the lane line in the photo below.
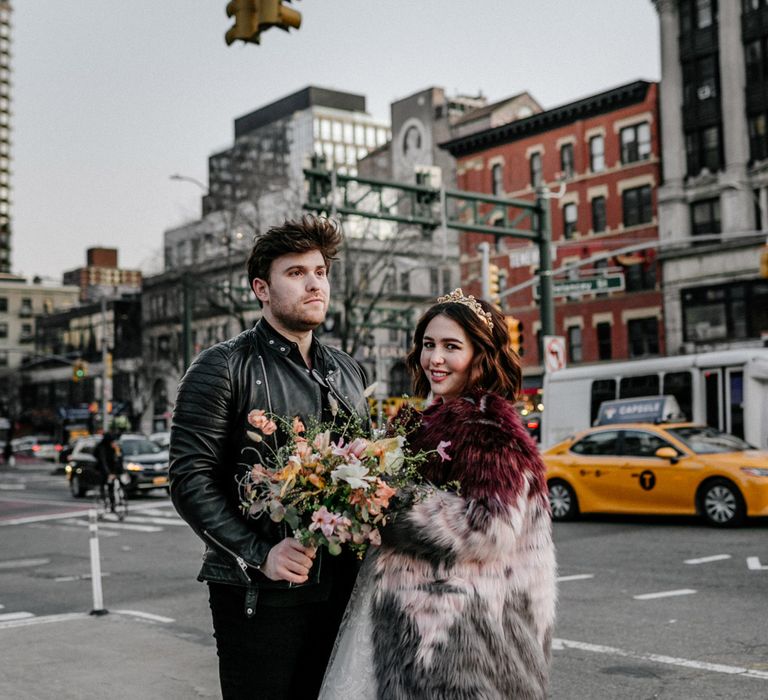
(664, 594)
(575, 577)
(145, 616)
(8, 617)
(753, 564)
(153, 521)
(564, 644)
(13, 487)
(42, 518)
(707, 560)
(21, 563)
(43, 620)
(121, 526)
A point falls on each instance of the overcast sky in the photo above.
(111, 97)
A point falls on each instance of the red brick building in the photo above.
(102, 276)
(602, 155)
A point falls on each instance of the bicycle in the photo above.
(117, 504)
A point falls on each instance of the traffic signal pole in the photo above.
(330, 192)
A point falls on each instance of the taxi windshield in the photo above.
(131, 448)
(706, 440)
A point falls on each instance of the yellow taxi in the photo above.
(671, 468)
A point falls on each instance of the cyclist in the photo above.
(110, 465)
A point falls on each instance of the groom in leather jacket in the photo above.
(276, 605)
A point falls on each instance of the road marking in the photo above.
(41, 518)
(21, 563)
(154, 521)
(563, 644)
(664, 594)
(706, 560)
(13, 487)
(79, 577)
(145, 615)
(121, 526)
(8, 617)
(753, 564)
(34, 620)
(575, 577)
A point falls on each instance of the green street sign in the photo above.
(592, 285)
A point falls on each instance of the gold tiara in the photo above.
(457, 297)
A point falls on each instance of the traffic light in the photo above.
(79, 370)
(494, 285)
(275, 14)
(764, 261)
(515, 333)
(246, 26)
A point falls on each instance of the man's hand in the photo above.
(288, 561)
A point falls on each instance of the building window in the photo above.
(26, 307)
(604, 348)
(434, 282)
(3, 330)
(636, 204)
(703, 150)
(405, 282)
(535, 165)
(575, 353)
(598, 214)
(704, 14)
(3, 358)
(597, 154)
(497, 179)
(570, 219)
(3, 304)
(705, 217)
(758, 143)
(718, 313)
(639, 277)
(566, 160)
(636, 143)
(643, 337)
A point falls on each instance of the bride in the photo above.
(459, 600)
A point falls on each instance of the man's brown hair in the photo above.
(293, 236)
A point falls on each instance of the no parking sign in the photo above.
(554, 352)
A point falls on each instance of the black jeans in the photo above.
(278, 654)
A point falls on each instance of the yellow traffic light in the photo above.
(494, 285)
(764, 261)
(108, 365)
(246, 26)
(275, 14)
(515, 333)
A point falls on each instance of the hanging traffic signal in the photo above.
(79, 370)
(246, 26)
(275, 14)
(515, 333)
(494, 285)
(764, 261)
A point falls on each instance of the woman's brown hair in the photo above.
(495, 366)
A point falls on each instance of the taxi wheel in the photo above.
(562, 500)
(721, 503)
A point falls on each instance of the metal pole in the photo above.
(186, 324)
(98, 596)
(485, 268)
(104, 392)
(546, 303)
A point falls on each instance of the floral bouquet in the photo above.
(331, 492)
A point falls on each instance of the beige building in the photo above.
(21, 302)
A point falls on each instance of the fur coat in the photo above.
(464, 602)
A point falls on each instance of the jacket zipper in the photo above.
(269, 396)
(241, 563)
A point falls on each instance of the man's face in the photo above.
(297, 295)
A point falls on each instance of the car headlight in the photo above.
(755, 471)
(68, 469)
(133, 467)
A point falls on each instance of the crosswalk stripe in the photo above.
(121, 526)
(153, 521)
(8, 617)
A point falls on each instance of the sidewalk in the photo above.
(120, 656)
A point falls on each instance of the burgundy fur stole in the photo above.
(492, 455)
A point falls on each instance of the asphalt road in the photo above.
(648, 608)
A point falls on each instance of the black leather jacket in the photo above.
(255, 370)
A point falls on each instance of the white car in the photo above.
(162, 438)
(39, 446)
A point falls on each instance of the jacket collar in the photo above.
(278, 343)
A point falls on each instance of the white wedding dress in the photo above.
(350, 674)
